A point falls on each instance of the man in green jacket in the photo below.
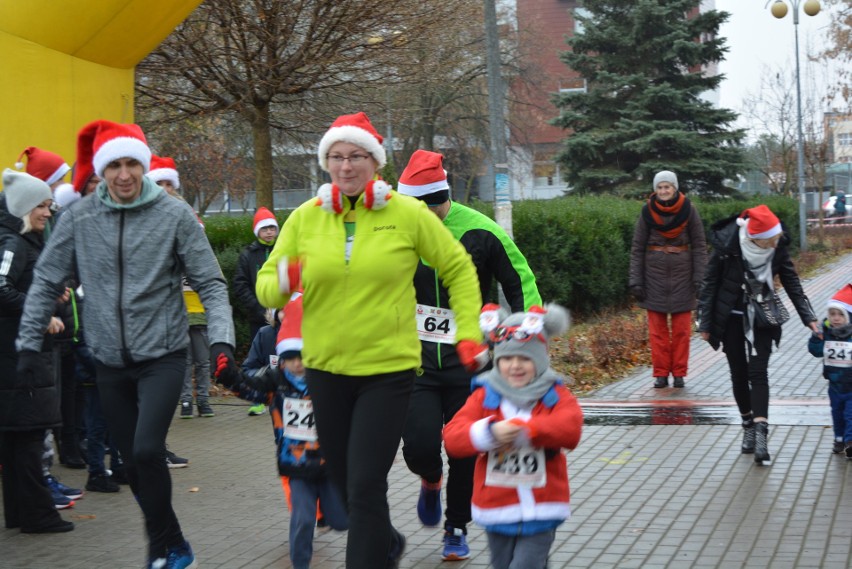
(444, 384)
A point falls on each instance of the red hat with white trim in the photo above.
(42, 164)
(355, 129)
(760, 222)
(101, 142)
(263, 218)
(425, 178)
(842, 299)
(163, 168)
(288, 343)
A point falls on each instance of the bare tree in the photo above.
(286, 64)
(210, 155)
(840, 48)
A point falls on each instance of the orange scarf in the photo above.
(679, 211)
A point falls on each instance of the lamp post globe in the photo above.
(779, 9)
(811, 7)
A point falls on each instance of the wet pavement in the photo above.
(657, 482)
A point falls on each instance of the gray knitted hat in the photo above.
(23, 192)
(528, 333)
(666, 176)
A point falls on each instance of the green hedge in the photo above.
(578, 247)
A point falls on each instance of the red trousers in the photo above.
(669, 348)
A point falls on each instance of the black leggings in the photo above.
(139, 402)
(436, 398)
(359, 425)
(749, 374)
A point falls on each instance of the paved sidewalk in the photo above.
(646, 495)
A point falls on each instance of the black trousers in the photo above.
(139, 402)
(359, 425)
(27, 502)
(749, 375)
(436, 398)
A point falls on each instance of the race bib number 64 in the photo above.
(436, 324)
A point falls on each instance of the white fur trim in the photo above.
(481, 437)
(121, 147)
(57, 175)
(425, 189)
(771, 232)
(352, 135)
(834, 303)
(268, 222)
(169, 174)
(289, 345)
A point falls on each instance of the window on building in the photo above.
(844, 139)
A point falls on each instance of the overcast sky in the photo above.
(756, 39)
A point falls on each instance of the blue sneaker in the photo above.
(57, 487)
(455, 544)
(180, 557)
(429, 503)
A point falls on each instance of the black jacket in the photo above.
(251, 260)
(22, 407)
(495, 256)
(722, 290)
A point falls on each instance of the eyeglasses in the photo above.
(503, 333)
(354, 159)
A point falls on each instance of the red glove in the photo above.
(224, 368)
(289, 275)
(473, 356)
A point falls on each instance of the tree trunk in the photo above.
(262, 141)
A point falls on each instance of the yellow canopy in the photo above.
(67, 62)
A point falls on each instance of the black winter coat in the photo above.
(22, 407)
(251, 260)
(724, 281)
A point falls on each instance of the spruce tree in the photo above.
(642, 111)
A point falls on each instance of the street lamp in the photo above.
(779, 10)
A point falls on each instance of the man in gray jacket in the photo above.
(129, 244)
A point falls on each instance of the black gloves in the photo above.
(638, 292)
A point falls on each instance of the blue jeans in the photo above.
(304, 494)
(96, 433)
(841, 413)
(520, 551)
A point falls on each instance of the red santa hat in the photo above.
(425, 178)
(288, 343)
(842, 299)
(42, 164)
(263, 218)
(760, 222)
(163, 168)
(355, 129)
(100, 142)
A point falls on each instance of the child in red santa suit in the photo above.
(517, 424)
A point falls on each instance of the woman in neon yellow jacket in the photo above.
(355, 248)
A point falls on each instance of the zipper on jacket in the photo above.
(439, 355)
(125, 352)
